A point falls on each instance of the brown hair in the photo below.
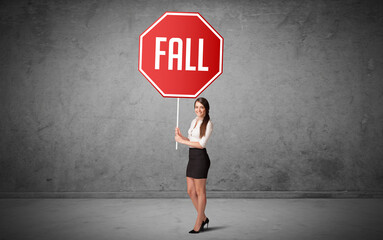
(206, 119)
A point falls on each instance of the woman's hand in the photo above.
(178, 132)
(178, 138)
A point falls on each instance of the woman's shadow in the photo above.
(214, 228)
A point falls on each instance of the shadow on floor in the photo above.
(215, 228)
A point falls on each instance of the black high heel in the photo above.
(205, 222)
(200, 228)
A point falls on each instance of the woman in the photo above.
(199, 162)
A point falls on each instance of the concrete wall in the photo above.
(298, 106)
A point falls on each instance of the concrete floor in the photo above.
(110, 219)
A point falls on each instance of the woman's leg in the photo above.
(200, 188)
(192, 192)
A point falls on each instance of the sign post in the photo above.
(180, 54)
(178, 116)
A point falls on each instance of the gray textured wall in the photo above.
(298, 106)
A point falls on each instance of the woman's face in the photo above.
(199, 110)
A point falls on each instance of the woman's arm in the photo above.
(184, 140)
(187, 142)
(209, 130)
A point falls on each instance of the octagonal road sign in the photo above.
(180, 54)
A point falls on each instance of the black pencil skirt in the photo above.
(199, 163)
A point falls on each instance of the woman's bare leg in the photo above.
(192, 192)
(200, 188)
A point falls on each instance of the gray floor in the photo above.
(172, 219)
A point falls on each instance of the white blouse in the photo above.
(193, 133)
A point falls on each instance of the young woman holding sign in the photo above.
(199, 162)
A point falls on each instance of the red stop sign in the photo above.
(180, 54)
